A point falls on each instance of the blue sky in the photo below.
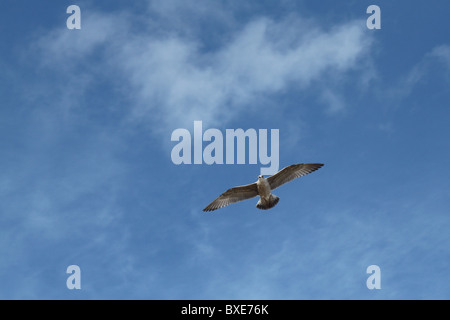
(87, 179)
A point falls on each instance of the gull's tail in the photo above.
(264, 205)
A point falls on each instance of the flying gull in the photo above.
(263, 187)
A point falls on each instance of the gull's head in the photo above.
(260, 177)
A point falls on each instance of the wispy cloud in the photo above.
(172, 79)
(333, 101)
(418, 72)
(442, 52)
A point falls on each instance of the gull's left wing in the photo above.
(233, 195)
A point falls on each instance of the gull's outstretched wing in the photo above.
(290, 173)
(233, 195)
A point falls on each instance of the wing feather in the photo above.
(233, 195)
(291, 172)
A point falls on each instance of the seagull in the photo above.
(263, 187)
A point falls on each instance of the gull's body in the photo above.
(266, 198)
(263, 187)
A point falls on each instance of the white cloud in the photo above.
(172, 79)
